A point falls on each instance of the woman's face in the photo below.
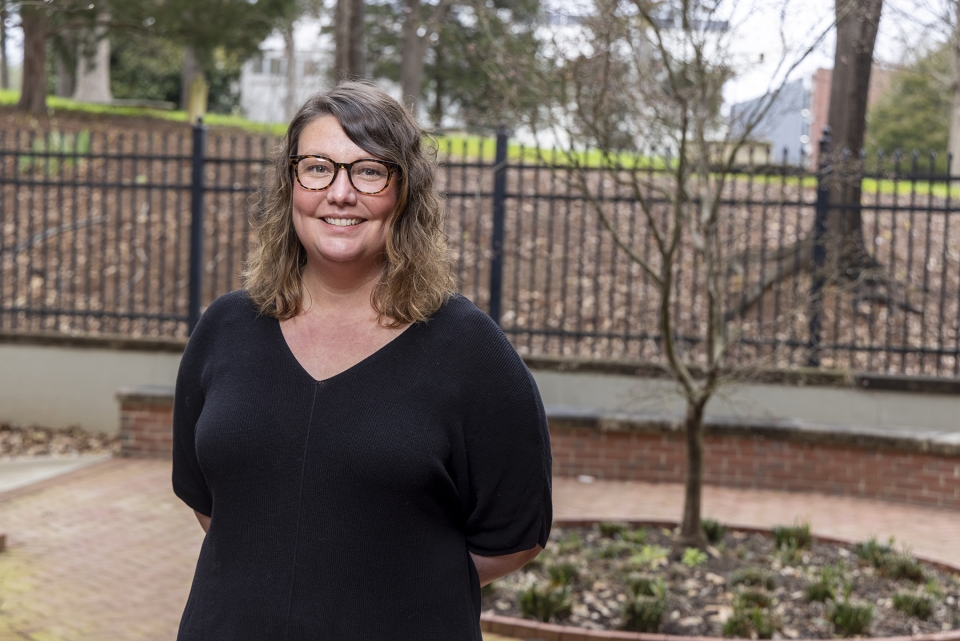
(339, 225)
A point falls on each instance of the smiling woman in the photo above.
(363, 447)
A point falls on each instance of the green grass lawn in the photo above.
(55, 103)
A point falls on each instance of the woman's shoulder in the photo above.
(463, 328)
(225, 317)
(460, 310)
(459, 317)
(229, 308)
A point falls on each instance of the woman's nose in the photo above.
(341, 191)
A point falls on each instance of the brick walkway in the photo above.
(107, 553)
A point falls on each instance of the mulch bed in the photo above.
(16, 442)
(701, 597)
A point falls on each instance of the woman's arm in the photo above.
(205, 521)
(491, 568)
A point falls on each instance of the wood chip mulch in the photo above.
(701, 597)
(18, 442)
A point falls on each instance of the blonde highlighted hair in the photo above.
(417, 277)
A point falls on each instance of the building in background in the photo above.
(785, 127)
(794, 124)
(264, 90)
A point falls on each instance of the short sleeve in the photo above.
(188, 481)
(509, 507)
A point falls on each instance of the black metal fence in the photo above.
(134, 232)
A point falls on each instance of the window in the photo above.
(276, 67)
(311, 68)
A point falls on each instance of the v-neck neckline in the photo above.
(285, 347)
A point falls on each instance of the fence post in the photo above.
(196, 224)
(819, 253)
(499, 213)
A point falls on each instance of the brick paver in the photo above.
(107, 555)
(929, 532)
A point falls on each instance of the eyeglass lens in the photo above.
(367, 176)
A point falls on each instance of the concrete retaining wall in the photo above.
(64, 383)
(59, 381)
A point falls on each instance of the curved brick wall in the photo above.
(902, 468)
(906, 468)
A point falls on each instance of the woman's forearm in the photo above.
(204, 520)
(491, 568)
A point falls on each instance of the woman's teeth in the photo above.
(342, 222)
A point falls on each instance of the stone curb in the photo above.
(152, 395)
(536, 631)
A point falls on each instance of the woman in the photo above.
(363, 447)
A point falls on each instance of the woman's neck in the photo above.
(338, 287)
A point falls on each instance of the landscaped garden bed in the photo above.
(783, 584)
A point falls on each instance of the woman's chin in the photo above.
(346, 256)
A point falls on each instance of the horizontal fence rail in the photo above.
(95, 237)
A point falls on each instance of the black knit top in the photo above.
(344, 509)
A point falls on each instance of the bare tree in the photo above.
(418, 31)
(857, 24)
(651, 75)
(38, 26)
(290, 47)
(33, 91)
(349, 59)
(953, 142)
(4, 63)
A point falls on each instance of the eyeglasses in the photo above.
(368, 176)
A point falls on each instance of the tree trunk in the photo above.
(33, 91)
(290, 104)
(4, 64)
(349, 52)
(953, 146)
(191, 67)
(93, 64)
(438, 88)
(857, 23)
(691, 529)
(412, 54)
(357, 51)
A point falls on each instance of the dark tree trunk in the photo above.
(691, 529)
(438, 88)
(349, 59)
(412, 54)
(4, 64)
(290, 101)
(857, 23)
(33, 92)
(357, 49)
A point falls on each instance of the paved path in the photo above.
(107, 553)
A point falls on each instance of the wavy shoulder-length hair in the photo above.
(417, 277)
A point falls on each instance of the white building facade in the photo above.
(263, 80)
